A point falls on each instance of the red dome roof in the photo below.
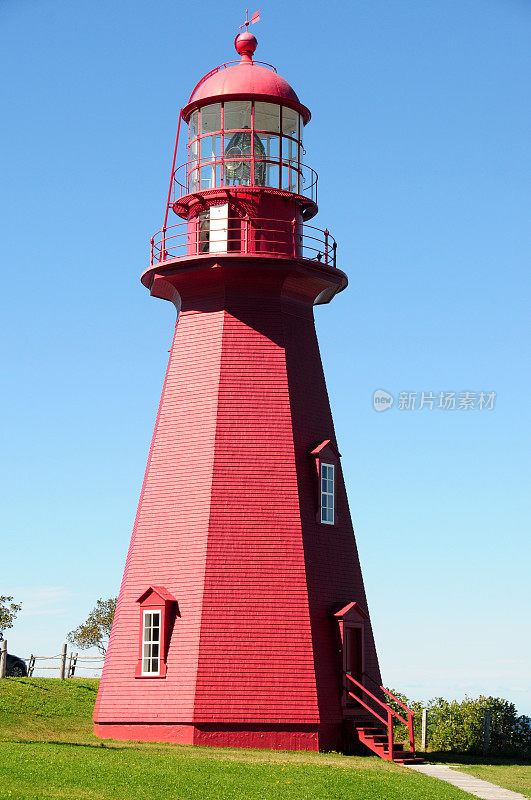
(245, 79)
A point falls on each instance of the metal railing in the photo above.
(199, 175)
(389, 712)
(248, 236)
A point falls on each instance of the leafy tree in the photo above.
(95, 631)
(8, 612)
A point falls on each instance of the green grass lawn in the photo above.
(511, 776)
(47, 750)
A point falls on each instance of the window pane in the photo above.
(267, 117)
(193, 125)
(207, 177)
(285, 179)
(271, 146)
(271, 176)
(211, 118)
(290, 122)
(193, 180)
(327, 493)
(193, 150)
(289, 149)
(208, 148)
(237, 115)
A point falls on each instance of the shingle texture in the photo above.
(228, 523)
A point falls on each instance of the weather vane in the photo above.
(254, 18)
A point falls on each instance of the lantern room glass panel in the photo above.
(267, 117)
(290, 122)
(259, 144)
(237, 115)
(211, 118)
(194, 121)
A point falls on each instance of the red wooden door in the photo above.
(354, 661)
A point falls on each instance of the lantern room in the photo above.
(244, 188)
(245, 143)
(251, 134)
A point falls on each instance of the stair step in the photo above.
(365, 729)
(397, 747)
(396, 753)
(376, 740)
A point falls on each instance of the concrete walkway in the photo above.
(475, 786)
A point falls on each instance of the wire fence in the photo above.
(65, 664)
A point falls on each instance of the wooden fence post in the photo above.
(424, 736)
(63, 663)
(3, 659)
(486, 732)
(31, 665)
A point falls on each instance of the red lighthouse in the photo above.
(242, 617)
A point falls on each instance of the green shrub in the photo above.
(401, 732)
(459, 726)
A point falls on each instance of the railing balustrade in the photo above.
(390, 712)
(257, 237)
(199, 175)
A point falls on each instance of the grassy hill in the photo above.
(47, 750)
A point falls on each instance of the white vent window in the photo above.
(327, 494)
(213, 230)
(151, 643)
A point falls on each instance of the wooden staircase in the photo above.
(380, 739)
(376, 740)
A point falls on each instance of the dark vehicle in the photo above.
(16, 667)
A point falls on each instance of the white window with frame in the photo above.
(327, 494)
(151, 643)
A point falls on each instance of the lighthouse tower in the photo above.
(242, 608)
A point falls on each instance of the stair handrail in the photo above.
(373, 697)
(410, 713)
(390, 712)
(372, 711)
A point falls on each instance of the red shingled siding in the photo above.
(256, 660)
(333, 570)
(169, 541)
(227, 524)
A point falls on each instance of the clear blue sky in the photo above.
(420, 134)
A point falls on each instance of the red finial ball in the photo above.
(245, 44)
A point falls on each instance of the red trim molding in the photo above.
(157, 598)
(328, 453)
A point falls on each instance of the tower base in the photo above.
(271, 737)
